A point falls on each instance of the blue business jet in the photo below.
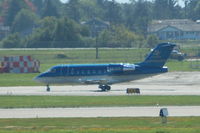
(105, 75)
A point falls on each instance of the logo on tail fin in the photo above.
(157, 53)
(159, 56)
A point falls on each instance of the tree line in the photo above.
(51, 23)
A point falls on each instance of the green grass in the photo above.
(18, 79)
(81, 55)
(48, 58)
(94, 101)
(183, 66)
(101, 125)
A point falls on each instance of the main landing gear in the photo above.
(48, 88)
(105, 87)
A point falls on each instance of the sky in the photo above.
(121, 1)
(181, 3)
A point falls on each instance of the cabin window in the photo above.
(72, 71)
(77, 72)
(64, 70)
(83, 71)
(94, 71)
(99, 71)
(88, 72)
(53, 70)
(108, 69)
(114, 69)
(104, 71)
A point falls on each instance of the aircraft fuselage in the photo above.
(107, 74)
(96, 74)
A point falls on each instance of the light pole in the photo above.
(95, 34)
(97, 48)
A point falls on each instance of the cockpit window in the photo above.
(53, 70)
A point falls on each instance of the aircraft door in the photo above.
(64, 71)
(59, 71)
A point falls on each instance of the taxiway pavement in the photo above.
(172, 83)
(95, 112)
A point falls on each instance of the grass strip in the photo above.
(94, 101)
(101, 125)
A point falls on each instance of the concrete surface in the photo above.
(172, 83)
(98, 112)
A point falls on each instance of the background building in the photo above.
(96, 26)
(177, 29)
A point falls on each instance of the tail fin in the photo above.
(159, 55)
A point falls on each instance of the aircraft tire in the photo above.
(48, 88)
(105, 88)
(108, 88)
(101, 87)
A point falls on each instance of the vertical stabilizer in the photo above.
(159, 55)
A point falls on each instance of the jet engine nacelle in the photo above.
(128, 67)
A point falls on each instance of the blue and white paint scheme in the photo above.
(105, 75)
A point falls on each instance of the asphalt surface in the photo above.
(172, 83)
(95, 112)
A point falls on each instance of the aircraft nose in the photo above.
(39, 78)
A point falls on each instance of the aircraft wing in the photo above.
(96, 82)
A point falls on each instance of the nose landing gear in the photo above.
(48, 88)
(105, 87)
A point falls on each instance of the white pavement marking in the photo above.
(98, 112)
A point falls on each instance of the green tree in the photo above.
(12, 41)
(192, 9)
(73, 11)
(152, 41)
(196, 11)
(141, 18)
(166, 9)
(14, 7)
(118, 36)
(128, 10)
(66, 34)
(42, 37)
(50, 9)
(89, 9)
(1, 7)
(58, 33)
(24, 19)
(39, 5)
(113, 12)
(101, 3)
